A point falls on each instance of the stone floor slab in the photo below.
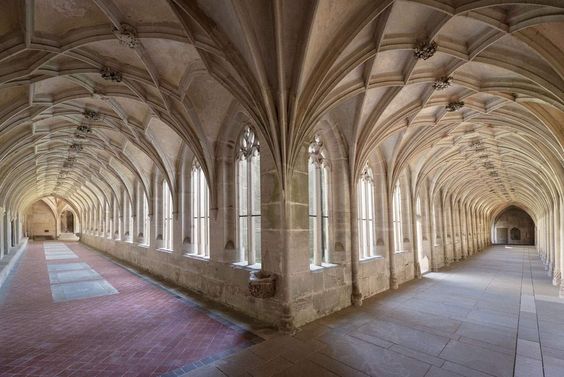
(82, 289)
(57, 277)
(67, 266)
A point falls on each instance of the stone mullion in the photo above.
(158, 214)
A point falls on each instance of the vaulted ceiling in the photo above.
(97, 93)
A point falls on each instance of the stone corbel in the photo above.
(262, 284)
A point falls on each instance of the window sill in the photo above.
(402, 252)
(143, 245)
(369, 259)
(197, 257)
(163, 250)
(315, 267)
(251, 267)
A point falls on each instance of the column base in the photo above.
(394, 283)
(286, 325)
(418, 274)
(556, 279)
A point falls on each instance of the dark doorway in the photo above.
(67, 222)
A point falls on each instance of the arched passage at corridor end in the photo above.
(513, 226)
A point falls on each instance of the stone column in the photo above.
(116, 209)
(8, 234)
(453, 229)
(123, 216)
(177, 234)
(133, 214)
(549, 240)
(444, 230)
(390, 231)
(3, 250)
(126, 217)
(557, 246)
(462, 218)
(474, 216)
(561, 251)
(427, 224)
(435, 232)
(356, 294)
(139, 229)
(414, 242)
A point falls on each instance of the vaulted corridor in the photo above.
(303, 164)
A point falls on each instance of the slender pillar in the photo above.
(390, 230)
(453, 229)
(3, 250)
(444, 230)
(557, 247)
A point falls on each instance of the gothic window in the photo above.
(146, 221)
(366, 214)
(396, 219)
(248, 198)
(200, 212)
(167, 217)
(318, 204)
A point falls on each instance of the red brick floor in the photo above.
(142, 331)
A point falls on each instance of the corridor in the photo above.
(496, 314)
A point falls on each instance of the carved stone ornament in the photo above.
(425, 49)
(454, 106)
(442, 83)
(75, 148)
(248, 144)
(91, 115)
(127, 35)
(111, 74)
(488, 165)
(316, 151)
(366, 174)
(262, 284)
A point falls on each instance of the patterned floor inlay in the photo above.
(73, 281)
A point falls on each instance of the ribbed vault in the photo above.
(117, 91)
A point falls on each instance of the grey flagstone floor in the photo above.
(496, 314)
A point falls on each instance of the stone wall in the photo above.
(41, 221)
(323, 291)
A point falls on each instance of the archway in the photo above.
(67, 222)
(514, 226)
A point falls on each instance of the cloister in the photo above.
(303, 167)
